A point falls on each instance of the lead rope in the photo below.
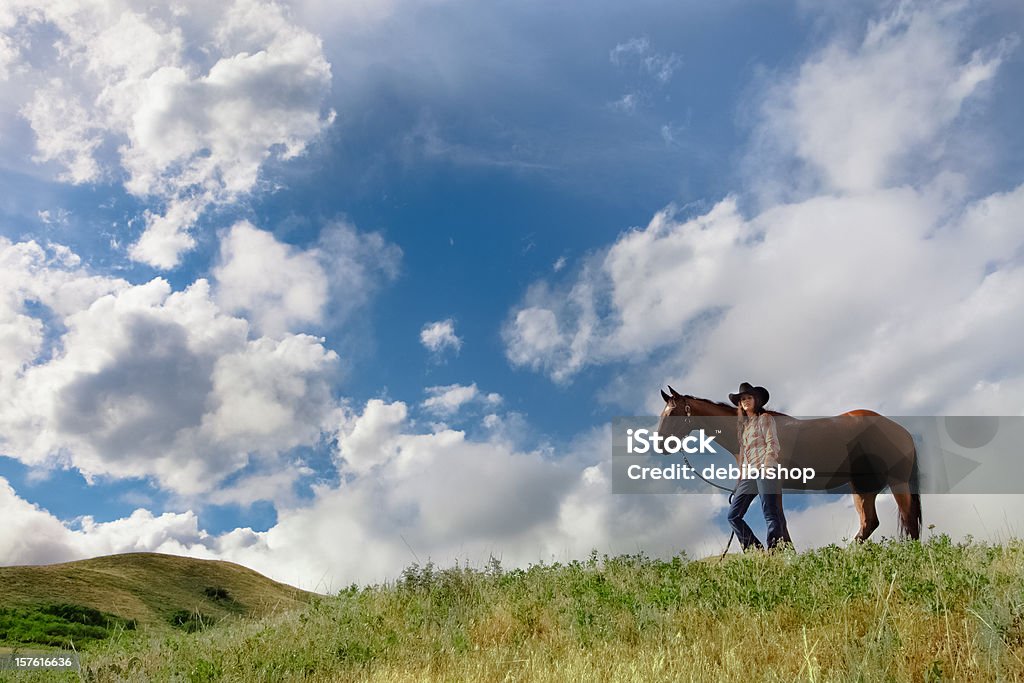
(732, 492)
(732, 534)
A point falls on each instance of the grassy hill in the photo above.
(892, 611)
(135, 590)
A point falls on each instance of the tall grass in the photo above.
(872, 612)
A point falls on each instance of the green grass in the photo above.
(58, 625)
(893, 611)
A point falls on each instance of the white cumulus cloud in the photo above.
(194, 97)
(282, 288)
(140, 380)
(440, 336)
(274, 284)
(863, 116)
(448, 400)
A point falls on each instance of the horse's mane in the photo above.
(729, 406)
(721, 404)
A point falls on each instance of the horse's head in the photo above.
(677, 412)
(684, 413)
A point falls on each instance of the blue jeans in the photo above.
(771, 504)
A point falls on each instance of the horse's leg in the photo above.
(865, 503)
(903, 502)
(909, 520)
(897, 459)
(904, 490)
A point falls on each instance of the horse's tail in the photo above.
(911, 525)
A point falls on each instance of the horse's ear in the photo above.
(666, 396)
(675, 394)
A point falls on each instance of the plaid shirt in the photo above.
(759, 442)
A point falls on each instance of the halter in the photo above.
(687, 411)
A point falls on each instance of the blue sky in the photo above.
(226, 230)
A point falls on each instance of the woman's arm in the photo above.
(771, 440)
(740, 456)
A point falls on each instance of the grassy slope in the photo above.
(874, 612)
(148, 587)
(891, 611)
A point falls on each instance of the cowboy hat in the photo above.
(760, 394)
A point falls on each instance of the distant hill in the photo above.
(149, 588)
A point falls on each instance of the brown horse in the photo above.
(859, 448)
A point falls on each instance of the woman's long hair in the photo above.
(741, 418)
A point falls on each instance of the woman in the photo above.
(759, 447)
